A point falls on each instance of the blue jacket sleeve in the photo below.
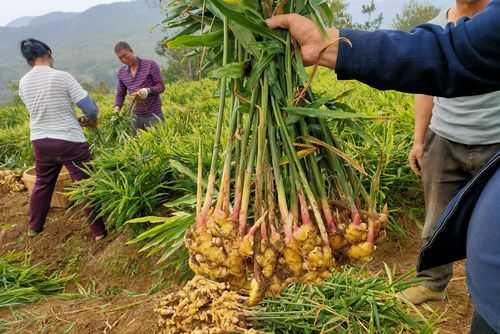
(88, 107)
(460, 60)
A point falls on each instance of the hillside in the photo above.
(37, 20)
(83, 42)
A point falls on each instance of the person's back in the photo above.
(56, 133)
(49, 95)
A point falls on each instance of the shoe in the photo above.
(100, 237)
(33, 233)
(420, 294)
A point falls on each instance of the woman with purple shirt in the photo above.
(142, 79)
(55, 131)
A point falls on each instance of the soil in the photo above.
(454, 313)
(115, 280)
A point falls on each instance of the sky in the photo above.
(13, 9)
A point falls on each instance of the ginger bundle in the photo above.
(285, 203)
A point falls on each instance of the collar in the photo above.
(139, 61)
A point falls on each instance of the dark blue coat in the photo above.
(463, 59)
(448, 243)
(457, 61)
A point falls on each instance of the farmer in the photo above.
(55, 131)
(460, 60)
(458, 136)
(142, 79)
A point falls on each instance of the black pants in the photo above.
(480, 326)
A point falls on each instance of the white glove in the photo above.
(143, 93)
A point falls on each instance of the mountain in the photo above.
(83, 42)
(38, 20)
(20, 22)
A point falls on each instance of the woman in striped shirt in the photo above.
(55, 131)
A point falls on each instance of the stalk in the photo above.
(242, 163)
(271, 204)
(304, 210)
(199, 179)
(320, 185)
(342, 177)
(261, 133)
(302, 176)
(288, 69)
(280, 187)
(245, 200)
(294, 201)
(223, 199)
(201, 219)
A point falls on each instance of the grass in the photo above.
(351, 302)
(23, 283)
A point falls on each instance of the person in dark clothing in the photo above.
(459, 60)
(55, 131)
(142, 79)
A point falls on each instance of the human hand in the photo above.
(316, 48)
(86, 122)
(116, 109)
(141, 93)
(415, 158)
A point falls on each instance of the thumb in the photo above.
(279, 21)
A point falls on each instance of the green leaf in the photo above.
(333, 149)
(235, 15)
(190, 41)
(187, 200)
(230, 71)
(326, 113)
(148, 219)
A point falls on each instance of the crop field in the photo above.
(271, 199)
(146, 188)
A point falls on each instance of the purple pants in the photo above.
(50, 156)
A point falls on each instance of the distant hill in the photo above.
(20, 22)
(37, 20)
(82, 42)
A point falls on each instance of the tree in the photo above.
(341, 17)
(182, 63)
(414, 14)
(374, 20)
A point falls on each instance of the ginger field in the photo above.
(145, 188)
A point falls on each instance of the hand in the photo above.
(116, 109)
(415, 158)
(141, 93)
(314, 45)
(86, 122)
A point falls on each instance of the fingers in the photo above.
(279, 21)
(414, 165)
(419, 162)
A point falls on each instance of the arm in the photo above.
(459, 60)
(456, 61)
(423, 113)
(121, 92)
(158, 85)
(89, 108)
(81, 98)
